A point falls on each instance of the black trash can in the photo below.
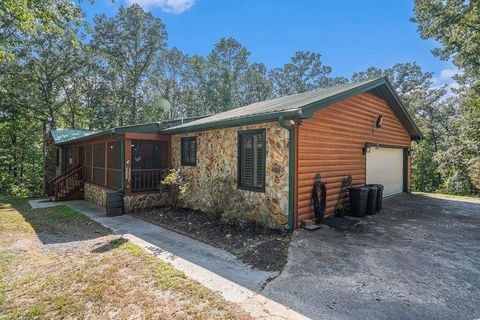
(380, 187)
(372, 199)
(114, 204)
(358, 201)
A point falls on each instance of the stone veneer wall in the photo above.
(217, 156)
(136, 201)
(95, 194)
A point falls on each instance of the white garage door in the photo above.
(385, 166)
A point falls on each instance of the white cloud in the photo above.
(447, 74)
(174, 6)
(446, 78)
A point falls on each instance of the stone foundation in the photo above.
(95, 194)
(217, 157)
(136, 201)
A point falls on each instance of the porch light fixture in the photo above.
(409, 152)
(379, 122)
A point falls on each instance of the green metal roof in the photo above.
(67, 136)
(63, 135)
(301, 105)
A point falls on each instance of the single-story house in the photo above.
(272, 149)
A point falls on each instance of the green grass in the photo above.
(104, 275)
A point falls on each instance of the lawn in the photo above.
(56, 263)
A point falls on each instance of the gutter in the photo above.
(291, 169)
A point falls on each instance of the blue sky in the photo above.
(351, 35)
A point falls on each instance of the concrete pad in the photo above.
(214, 268)
(43, 203)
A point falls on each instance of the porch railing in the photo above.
(147, 179)
(68, 184)
(55, 180)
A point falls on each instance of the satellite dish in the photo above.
(163, 104)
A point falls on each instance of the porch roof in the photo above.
(68, 136)
(63, 135)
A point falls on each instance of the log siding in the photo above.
(331, 143)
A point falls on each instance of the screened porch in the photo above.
(132, 162)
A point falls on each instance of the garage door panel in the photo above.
(385, 166)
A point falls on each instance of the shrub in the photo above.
(236, 214)
(175, 187)
(223, 200)
(264, 214)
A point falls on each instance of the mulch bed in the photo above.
(263, 249)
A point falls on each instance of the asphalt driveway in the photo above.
(418, 258)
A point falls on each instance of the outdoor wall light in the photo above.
(366, 149)
(409, 152)
(379, 121)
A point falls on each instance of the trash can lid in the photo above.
(359, 188)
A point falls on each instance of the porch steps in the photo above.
(69, 185)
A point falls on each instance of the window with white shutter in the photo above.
(251, 160)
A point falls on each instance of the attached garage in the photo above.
(365, 135)
(386, 165)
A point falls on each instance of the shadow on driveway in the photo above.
(418, 258)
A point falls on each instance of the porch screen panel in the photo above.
(99, 164)
(114, 165)
(88, 164)
(149, 155)
(149, 159)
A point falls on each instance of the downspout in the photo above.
(291, 163)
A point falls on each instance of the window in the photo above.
(251, 160)
(188, 151)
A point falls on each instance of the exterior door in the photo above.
(386, 166)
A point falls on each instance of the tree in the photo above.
(170, 81)
(304, 72)
(227, 62)
(455, 24)
(129, 43)
(48, 66)
(407, 78)
(20, 18)
(254, 85)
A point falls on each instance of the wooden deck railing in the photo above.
(68, 184)
(147, 179)
(61, 176)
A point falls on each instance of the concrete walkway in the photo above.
(214, 268)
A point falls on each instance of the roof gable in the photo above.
(302, 105)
